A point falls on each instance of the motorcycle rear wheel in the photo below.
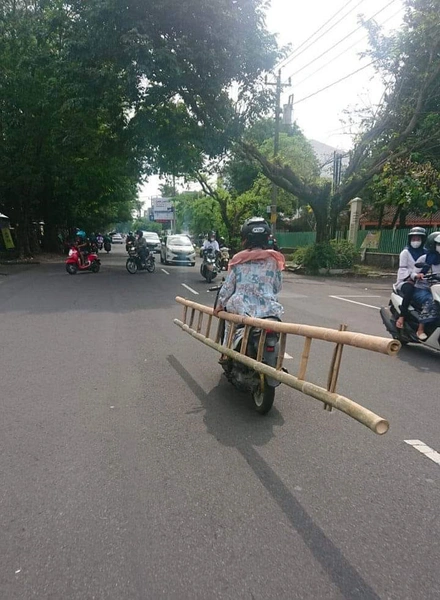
(263, 397)
(131, 266)
(71, 268)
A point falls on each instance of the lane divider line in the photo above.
(166, 272)
(358, 296)
(424, 449)
(354, 302)
(190, 289)
(287, 356)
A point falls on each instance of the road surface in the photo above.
(132, 470)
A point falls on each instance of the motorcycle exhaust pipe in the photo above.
(388, 320)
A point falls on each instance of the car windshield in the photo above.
(179, 241)
(151, 235)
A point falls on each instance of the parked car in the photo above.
(153, 240)
(117, 238)
(178, 249)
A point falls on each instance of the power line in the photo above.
(345, 50)
(335, 82)
(295, 52)
(343, 39)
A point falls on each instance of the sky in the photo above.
(324, 59)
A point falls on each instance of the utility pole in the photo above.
(276, 145)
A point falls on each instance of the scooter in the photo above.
(134, 262)
(224, 258)
(100, 242)
(73, 263)
(209, 267)
(407, 334)
(245, 379)
(107, 245)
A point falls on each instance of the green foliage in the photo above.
(336, 254)
(95, 95)
(146, 225)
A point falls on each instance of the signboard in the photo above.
(163, 209)
(7, 238)
(371, 240)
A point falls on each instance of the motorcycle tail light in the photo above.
(270, 348)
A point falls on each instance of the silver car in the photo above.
(153, 240)
(178, 249)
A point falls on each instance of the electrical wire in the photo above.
(336, 82)
(294, 54)
(345, 50)
(343, 39)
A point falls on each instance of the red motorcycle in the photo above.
(74, 264)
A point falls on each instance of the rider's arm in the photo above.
(278, 282)
(228, 288)
(405, 271)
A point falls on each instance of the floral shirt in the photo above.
(251, 289)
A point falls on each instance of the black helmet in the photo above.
(255, 233)
(139, 232)
(419, 231)
(433, 239)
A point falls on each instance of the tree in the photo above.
(96, 95)
(406, 123)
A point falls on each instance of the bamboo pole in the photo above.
(304, 358)
(185, 313)
(335, 366)
(208, 326)
(283, 340)
(374, 422)
(357, 340)
(200, 322)
(245, 340)
(192, 315)
(261, 344)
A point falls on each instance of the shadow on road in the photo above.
(230, 418)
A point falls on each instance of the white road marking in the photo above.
(190, 289)
(358, 296)
(354, 302)
(166, 272)
(424, 449)
(287, 356)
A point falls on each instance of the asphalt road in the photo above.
(130, 469)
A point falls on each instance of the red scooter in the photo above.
(73, 262)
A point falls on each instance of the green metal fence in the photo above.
(391, 241)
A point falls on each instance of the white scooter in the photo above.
(407, 334)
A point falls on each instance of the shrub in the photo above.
(345, 252)
(326, 255)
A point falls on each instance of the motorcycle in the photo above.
(224, 258)
(100, 242)
(407, 334)
(245, 379)
(73, 263)
(107, 245)
(209, 267)
(135, 263)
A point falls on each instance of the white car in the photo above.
(117, 238)
(178, 249)
(152, 240)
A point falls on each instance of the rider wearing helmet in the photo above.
(407, 273)
(254, 278)
(422, 294)
(82, 243)
(211, 243)
(141, 245)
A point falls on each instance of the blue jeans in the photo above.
(421, 296)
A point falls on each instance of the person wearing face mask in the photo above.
(422, 294)
(407, 273)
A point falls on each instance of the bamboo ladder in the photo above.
(193, 323)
